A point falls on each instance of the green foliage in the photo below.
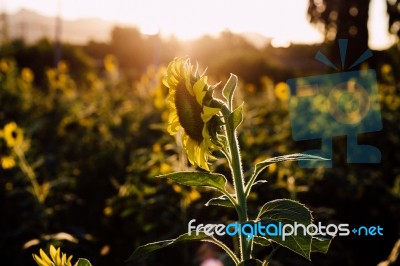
(229, 90)
(40, 56)
(289, 212)
(236, 117)
(222, 201)
(198, 179)
(261, 166)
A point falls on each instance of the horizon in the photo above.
(261, 18)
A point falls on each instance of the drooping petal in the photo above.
(208, 113)
(69, 260)
(198, 89)
(202, 158)
(190, 150)
(173, 124)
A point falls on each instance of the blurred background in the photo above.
(83, 114)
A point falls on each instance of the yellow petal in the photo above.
(45, 258)
(198, 154)
(198, 89)
(207, 140)
(63, 259)
(39, 261)
(57, 259)
(202, 162)
(208, 112)
(188, 84)
(53, 252)
(190, 150)
(173, 124)
(69, 260)
(165, 81)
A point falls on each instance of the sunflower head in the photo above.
(12, 134)
(56, 258)
(7, 162)
(192, 110)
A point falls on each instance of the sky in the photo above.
(283, 20)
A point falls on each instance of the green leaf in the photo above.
(285, 210)
(220, 201)
(259, 183)
(289, 211)
(251, 262)
(320, 244)
(198, 179)
(261, 166)
(261, 241)
(300, 244)
(151, 247)
(83, 262)
(145, 250)
(236, 117)
(229, 90)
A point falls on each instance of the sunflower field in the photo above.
(82, 141)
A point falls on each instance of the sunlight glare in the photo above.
(149, 28)
(280, 43)
(281, 20)
(379, 37)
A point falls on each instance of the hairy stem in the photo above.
(235, 164)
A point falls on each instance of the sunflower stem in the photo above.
(28, 171)
(235, 164)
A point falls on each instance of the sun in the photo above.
(149, 28)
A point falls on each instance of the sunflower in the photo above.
(282, 91)
(7, 162)
(57, 258)
(192, 109)
(12, 134)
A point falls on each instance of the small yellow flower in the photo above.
(110, 63)
(190, 109)
(282, 91)
(4, 65)
(62, 67)
(57, 258)
(7, 162)
(165, 168)
(108, 211)
(27, 75)
(12, 134)
(157, 148)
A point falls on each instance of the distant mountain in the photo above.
(32, 26)
(257, 39)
